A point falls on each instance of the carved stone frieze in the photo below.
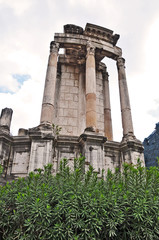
(102, 33)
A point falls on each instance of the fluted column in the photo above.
(47, 110)
(124, 100)
(91, 118)
(107, 109)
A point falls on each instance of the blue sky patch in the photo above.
(5, 90)
(21, 77)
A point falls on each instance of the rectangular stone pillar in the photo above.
(47, 110)
(91, 118)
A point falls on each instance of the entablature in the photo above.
(73, 41)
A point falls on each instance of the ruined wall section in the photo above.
(68, 101)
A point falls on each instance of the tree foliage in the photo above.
(77, 205)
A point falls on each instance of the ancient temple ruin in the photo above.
(76, 98)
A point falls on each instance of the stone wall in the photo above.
(68, 101)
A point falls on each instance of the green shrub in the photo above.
(77, 205)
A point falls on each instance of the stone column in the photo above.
(124, 100)
(5, 119)
(82, 102)
(107, 109)
(47, 110)
(91, 118)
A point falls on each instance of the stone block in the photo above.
(76, 83)
(65, 89)
(41, 154)
(72, 122)
(69, 82)
(66, 75)
(100, 117)
(63, 68)
(99, 95)
(69, 96)
(101, 103)
(74, 130)
(63, 82)
(60, 112)
(75, 98)
(70, 112)
(63, 104)
(73, 89)
(70, 69)
(69, 129)
(62, 121)
(74, 76)
(20, 162)
(76, 69)
(63, 131)
(100, 110)
(72, 104)
(99, 88)
(62, 96)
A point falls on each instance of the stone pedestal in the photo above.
(131, 151)
(42, 140)
(93, 149)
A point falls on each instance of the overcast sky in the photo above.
(28, 26)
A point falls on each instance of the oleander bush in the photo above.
(77, 205)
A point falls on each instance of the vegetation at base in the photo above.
(77, 205)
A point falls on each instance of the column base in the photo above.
(44, 130)
(128, 137)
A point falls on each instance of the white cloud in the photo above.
(26, 105)
(18, 6)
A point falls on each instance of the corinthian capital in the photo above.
(90, 48)
(120, 62)
(54, 47)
